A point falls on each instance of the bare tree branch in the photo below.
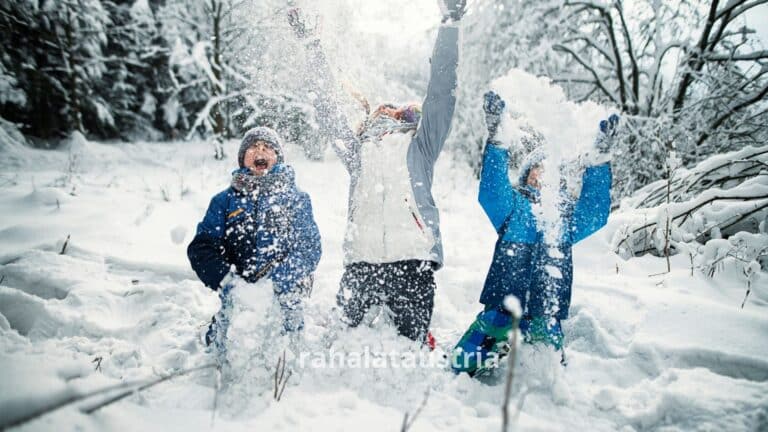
(631, 54)
(757, 55)
(408, 421)
(756, 97)
(694, 62)
(590, 69)
(619, 68)
(735, 8)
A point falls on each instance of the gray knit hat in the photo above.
(534, 158)
(262, 133)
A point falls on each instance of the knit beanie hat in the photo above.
(534, 158)
(262, 133)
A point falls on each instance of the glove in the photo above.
(297, 23)
(607, 134)
(493, 106)
(452, 10)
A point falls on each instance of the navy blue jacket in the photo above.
(523, 264)
(271, 233)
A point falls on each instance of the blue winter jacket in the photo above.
(521, 261)
(271, 233)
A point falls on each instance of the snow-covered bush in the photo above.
(716, 212)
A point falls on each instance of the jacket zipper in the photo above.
(415, 218)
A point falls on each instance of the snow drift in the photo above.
(121, 304)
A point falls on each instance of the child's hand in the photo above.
(452, 10)
(296, 21)
(493, 106)
(607, 134)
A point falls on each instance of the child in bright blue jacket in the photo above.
(261, 226)
(524, 265)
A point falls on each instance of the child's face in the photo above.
(534, 177)
(260, 158)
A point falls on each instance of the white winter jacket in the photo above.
(392, 215)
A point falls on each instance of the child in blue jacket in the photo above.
(524, 265)
(261, 226)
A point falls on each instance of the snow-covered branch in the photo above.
(598, 80)
(722, 196)
(720, 57)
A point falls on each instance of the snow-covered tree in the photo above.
(688, 76)
(78, 30)
(55, 57)
(231, 66)
(137, 72)
(25, 86)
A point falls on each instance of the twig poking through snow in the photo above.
(406, 423)
(281, 379)
(125, 394)
(749, 288)
(750, 271)
(74, 398)
(510, 373)
(216, 387)
(64, 246)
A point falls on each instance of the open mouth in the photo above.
(260, 164)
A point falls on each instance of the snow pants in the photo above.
(407, 288)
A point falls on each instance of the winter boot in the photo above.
(542, 330)
(484, 343)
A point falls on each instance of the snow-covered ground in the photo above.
(667, 352)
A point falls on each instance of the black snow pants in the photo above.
(407, 288)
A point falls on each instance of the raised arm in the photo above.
(332, 121)
(497, 196)
(439, 105)
(594, 205)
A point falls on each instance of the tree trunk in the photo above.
(75, 108)
(695, 60)
(217, 116)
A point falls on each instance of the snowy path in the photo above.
(670, 352)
